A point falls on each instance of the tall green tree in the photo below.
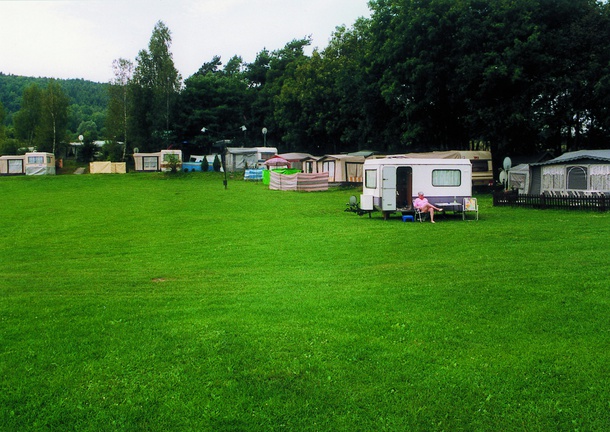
(356, 116)
(118, 104)
(157, 83)
(55, 104)
(214, 99)
(282, 109)
(260, 97)
(415, 51)
(27, 120)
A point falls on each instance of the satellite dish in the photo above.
(503, 177)
(136, 150)
(507, 163)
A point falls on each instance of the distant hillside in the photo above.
(89, 96)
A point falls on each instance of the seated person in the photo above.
(421, 203)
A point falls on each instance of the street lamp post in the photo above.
(223, 155)
(244, 129)
(265, 137)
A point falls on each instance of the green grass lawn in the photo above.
(152, 302)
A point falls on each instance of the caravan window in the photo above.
(370, 179)
(446, 177)
(479, 165)
(35, 159)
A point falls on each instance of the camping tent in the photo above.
(309, 164)
(342, 168)
(583, 170)
(12, 165)
(240, 158)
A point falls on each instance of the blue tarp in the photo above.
(253, 174)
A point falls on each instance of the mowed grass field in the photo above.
(157, 302)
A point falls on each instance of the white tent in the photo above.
(12, 165)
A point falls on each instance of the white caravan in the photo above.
(391, 184)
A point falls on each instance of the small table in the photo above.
(454, 207)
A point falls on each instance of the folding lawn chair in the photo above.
(470, 205)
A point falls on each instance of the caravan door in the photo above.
(388, 188)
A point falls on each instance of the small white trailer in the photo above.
(391, 184)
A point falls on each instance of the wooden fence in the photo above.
(597, 202)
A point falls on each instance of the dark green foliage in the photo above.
(112, 151)
(215, 100)
(216, 164)
(205, 165)
(518, 75)
(172, 161)
(87, 151)
(87, 99)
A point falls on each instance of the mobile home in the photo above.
(158, 161)
(391, 184)
(241, 158)
(32, 163)
(39, 163)
(482, 167)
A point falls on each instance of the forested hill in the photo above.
(87, 95)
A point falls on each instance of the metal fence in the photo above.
(566, 201)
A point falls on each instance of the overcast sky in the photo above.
(81, 38)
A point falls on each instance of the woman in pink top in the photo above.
(424, 206)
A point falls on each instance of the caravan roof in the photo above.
(598, 155)
(400, 161)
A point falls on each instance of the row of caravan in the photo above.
(349, 168)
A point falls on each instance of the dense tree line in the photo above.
(26, 122)
(513, 76)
